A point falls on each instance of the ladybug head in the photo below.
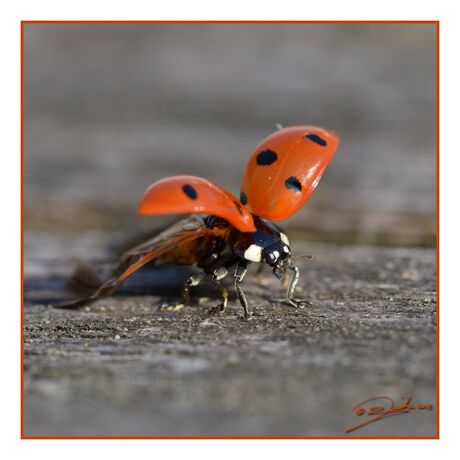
(277, 254)
(281, 266)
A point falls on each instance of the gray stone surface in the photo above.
(122, 366)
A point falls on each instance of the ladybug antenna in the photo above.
(279, 126)
(303, 256)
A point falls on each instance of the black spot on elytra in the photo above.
(243, 198)
(190, 191)
(293, 184)
(266, 158)
(317, 139)
(239, 207)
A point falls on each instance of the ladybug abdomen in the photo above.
(192, 252)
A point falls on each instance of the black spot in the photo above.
(239, 207)
(243, 198)
(293, 184)
(190, 191)
(317, 139)
(266, 158)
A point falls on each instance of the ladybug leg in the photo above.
(291, 289)
(259, 269)
(285, 281)
(258, 273)
(217, 275)
(192, 281)
(240, 271)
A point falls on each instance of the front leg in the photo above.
(291, 289)
(240, 271)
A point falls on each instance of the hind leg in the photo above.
(217, 275)
(194, 280)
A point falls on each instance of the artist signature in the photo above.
(380, 407)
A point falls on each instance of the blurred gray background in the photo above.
(111, 108)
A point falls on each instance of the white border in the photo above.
(237, 9)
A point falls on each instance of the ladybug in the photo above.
(225, 233)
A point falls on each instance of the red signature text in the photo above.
(380, 407)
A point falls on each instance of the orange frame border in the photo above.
(434, 22)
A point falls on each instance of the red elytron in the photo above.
(229, 233)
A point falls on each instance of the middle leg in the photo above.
(240, 271)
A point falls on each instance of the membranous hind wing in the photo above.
(175, 244)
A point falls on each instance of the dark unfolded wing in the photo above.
(183, 231)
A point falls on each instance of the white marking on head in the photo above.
(276, 254)
(284, 238)
(253, 253)
(286, 249)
